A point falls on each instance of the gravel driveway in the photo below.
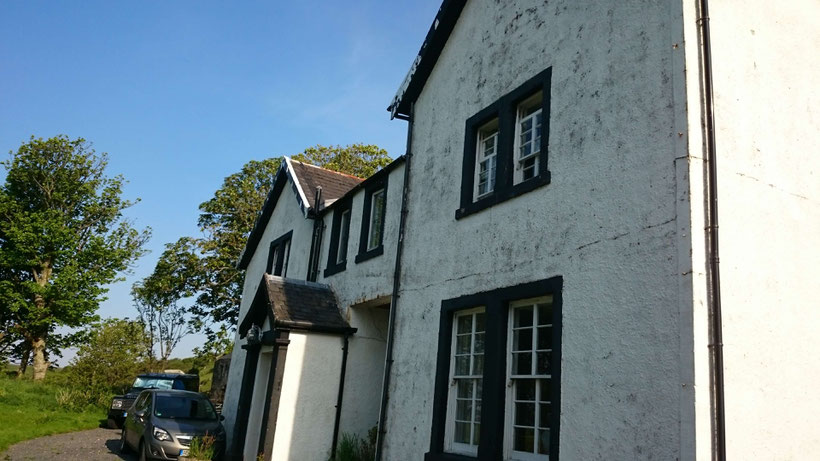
(92, 445)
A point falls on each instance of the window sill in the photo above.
(503, 195)
(370, 254)
(332, 270)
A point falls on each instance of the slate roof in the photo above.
(333, 184)
(295, 304)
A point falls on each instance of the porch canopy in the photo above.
(295, 305)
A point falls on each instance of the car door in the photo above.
(135, 424)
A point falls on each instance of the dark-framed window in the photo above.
(339, 238)
(505, 147)
(371, 239)
(498, 375)
(279, 255)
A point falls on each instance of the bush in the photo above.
(202, 447)
(353, 448)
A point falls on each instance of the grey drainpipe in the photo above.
(388, 362)
(339, 398)
(716, 322)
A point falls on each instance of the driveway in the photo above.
(92, 445)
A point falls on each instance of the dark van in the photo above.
(121, 403)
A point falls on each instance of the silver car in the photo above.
(161, 423)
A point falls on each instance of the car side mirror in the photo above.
(140, 414)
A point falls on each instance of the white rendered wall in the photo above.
(607, 223)
(286, 216)
(768, 132)
(304, 427)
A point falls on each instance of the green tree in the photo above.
(108, 362)
(62, 239)
(204, 269)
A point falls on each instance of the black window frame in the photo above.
(505, 110)
(278, 266)
(365, 254)
(496, 308)
(332, 266)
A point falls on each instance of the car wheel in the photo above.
(112, 424)
(124, 448)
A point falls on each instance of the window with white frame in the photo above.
(529, 415)
(498, 375)
(486, 155)
(528, 138)
(376, 225)
(466, 377)
(344, 232)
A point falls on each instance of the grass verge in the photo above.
(29, 410)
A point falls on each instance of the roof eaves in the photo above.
(304, 204)
(427, 57)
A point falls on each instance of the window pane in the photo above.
(462, 365)
(523, 439)
(544, 441)
(479, 322)
(465, 324)
(544, 416)
(463, 344)
(544, 314)
(478, 348)
(522, 363)
(522, 340)
(523, 317)
(465, 389)
(544, 338)
(476, 433)
(478, 365)
(525, 414)
(464, 410)
(462, 434)
(542, 364)
(546, 390)
(525, 389)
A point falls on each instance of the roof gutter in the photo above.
(391, 328)
(716, 374)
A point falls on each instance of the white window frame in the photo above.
(486, 132)
(533, 101)
(509, 453)
(376, 223)
(344, 236)
(450, 445)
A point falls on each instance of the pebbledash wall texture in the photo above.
(606, 222)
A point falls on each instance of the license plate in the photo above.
(183, 452)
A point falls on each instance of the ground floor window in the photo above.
(498, 375)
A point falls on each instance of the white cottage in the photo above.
(552, 277)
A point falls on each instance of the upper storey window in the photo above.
(278, 255)
(505, 147)
(339, 236)
(373, 212)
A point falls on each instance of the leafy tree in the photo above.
(360, 160)
(115, 353)
(62, 240)
(204, 269)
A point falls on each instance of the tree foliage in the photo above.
(204, 269)
(62, 239)
(115, 353)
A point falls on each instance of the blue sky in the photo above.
(181, 94)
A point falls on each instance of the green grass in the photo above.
(29, 410)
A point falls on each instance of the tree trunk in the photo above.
(38, 346)
(24, 361)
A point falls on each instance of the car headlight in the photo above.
(116, 404)
(161, 434)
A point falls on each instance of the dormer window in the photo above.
(373, 213)
(339, 236)
(344, 233)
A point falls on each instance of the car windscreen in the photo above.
(147, 382)
(183, 407)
